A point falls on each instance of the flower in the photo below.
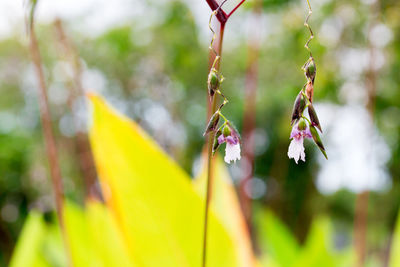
(232, 149)
(296, 148)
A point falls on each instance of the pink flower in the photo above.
(296, 148)
(232, 149)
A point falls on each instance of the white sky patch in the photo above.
(357, 152)
(91, 17)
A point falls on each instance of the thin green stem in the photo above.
(308, 27)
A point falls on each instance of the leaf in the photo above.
(317, 140)
(276, 240)
(93, 237)
(394, 260)
(227, 207)
(319, 250)
(155, 206)
(28, 249)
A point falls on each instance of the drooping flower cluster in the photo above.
(303, 127)
(226, 133)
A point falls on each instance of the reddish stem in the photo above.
(50, 143)
(236, 7)
(221, 15)
(250, 115)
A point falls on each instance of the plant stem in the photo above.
(82, 145)
(211, 137)
(51, 149)
(45, 117)
(361, 205)
(250, 113)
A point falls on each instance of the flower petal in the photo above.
(296, 133)
(221, 139)
(307, 133)
(232, 152)
(231, 140)
(296, 150)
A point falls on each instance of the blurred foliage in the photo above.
(153, 216)
(154, 70)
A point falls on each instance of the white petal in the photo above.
(296, 150)
(232, 152)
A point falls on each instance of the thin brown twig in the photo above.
(82, 145)
(50, 143)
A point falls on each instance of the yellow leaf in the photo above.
(156, 207)
(93, 237)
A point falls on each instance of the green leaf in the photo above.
(318, 249)
(28, 249)
(276, 239)
(93, 237)
(394, 260)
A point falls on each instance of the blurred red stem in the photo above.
(249, 116)
(50, 143)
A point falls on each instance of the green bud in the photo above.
(302, 124)
(317, 140)
(310, 69)
(227, 131)
(213, 82)
(314, 117)
(216, 143)
(213, 123)
(298, 107)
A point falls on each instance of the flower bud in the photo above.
(310, 91)
(227, 131)
(314, 117)
(317, 140)
(302, 125)
(213, 82)
(298, 107)
(213, 123)
(310, 70)
(216, 143)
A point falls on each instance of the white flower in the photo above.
(296, 148)
(232, 152)
(232, 149)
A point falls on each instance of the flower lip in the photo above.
(297, 134)
(232, 140)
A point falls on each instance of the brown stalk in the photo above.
(210, 159)
(250, 114)
(222, 18)
(361, 204)
(82, 144)
(50, 143)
